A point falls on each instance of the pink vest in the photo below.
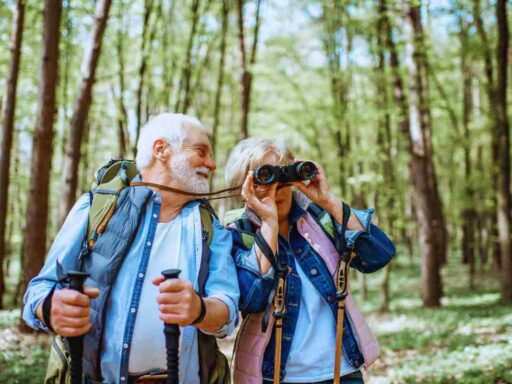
(252, 342)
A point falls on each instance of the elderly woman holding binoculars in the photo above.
(292, 244)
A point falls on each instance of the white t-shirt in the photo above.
(311, 355)
(148, 343)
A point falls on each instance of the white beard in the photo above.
(187, 176)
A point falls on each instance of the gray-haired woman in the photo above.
(277, 221)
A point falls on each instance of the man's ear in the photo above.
(161, 150)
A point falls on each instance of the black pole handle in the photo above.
(172, 339)
(76, 344)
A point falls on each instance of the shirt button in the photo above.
(298, 251)
(357, 363)
(141, 275)
(123, 378)
(330, 299)
(125, 346)
(148, 243)
(314, 271)
(155, 215)
(132, 310)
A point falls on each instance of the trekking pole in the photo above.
(280, 309)
(341, 294)
(172, 339)
(76, 344)
(345, 258)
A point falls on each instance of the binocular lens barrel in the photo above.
(265, 174)
(299, 171)
(306, 170)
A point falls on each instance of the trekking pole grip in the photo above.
(76, 344)
(172, 339)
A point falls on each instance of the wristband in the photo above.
(202, 314)
(47, 309)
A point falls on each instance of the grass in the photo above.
(468, 340)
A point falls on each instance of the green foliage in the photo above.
(467, 340)
(22, 357)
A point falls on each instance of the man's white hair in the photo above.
(169, 127)
(248, 153)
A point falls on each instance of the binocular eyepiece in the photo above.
(298, 171)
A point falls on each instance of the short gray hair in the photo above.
(248, 153)
(169, 127)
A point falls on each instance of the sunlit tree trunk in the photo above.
(81, 110)
(34, 245)
(6, 134)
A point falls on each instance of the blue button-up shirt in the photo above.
(122, 305)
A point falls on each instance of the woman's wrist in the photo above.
(331, 204)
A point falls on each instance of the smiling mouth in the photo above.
(203, 175)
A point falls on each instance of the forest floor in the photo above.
(468, 340)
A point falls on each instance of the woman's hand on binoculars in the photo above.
(317, 190)
(263, 201)
(178, 301)
(70, 311)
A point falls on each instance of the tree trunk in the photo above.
(81, 110)
(37, 206)
(6, 135)
(426, 195)
(493, 122)
(503, 150)
(247, 64)
(169, 59)
(220, 78)
(148, 6)
(384, 140)
(187, 68)
(122, 115)
(468, 213)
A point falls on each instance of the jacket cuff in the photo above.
(228, 328)
(364, 216)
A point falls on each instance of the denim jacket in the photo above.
(374, 250)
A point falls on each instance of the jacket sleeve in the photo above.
(255, 288)
(221, 283)
(65, 248)
(373, 247)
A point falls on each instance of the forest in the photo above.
(405, 103)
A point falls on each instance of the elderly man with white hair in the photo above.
(124, 342)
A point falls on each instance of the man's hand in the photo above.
(70, 311)
(178, 301)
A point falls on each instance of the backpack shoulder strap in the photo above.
(111, 179)
(207, 213)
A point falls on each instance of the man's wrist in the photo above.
(202, 311)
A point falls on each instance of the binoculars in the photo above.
(298, 171)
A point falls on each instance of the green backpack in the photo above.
(111, 179)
